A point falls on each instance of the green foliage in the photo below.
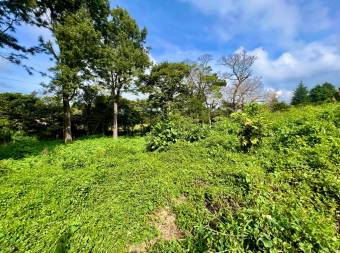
(279, 106)
(324, 93)
(300, 95)
(251, 130)
(30, 114)
(164, 133)
(202, 91)
(165, 83)
(12, 15)
(251, 134)
(5, 131)
(101, 195)
(77, 39)
(121, 58)
(254, 109)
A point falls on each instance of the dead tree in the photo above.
(242, 87)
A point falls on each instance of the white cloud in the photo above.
(286, 18)
(282, 25)
(281, 94)
(314, 62)
(284, 95)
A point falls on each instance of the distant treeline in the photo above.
(326, 92)
(22, 114)
(98, 50)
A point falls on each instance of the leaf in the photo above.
(267, 242)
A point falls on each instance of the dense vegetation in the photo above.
(99, 53)
(256, 181)
(209, 161)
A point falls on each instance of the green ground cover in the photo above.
(100, 195)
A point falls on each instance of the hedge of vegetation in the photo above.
(256, 181)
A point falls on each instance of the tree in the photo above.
(13, 13)
(273, 103)
(165, 83)
(30, 114)
(300, 95)
(129, 115)
(89, 95)
(123, 57)
(74, 25)
(204, 86)
(242, 87)
(271, 98)
(324, 93)
(42, 13)
(77, 42)
(49, 14)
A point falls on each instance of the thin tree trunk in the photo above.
(115, 119)
(88, 113)
(67, 120)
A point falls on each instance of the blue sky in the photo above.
(294, 40)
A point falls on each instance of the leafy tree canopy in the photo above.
(324, 93)
(165, 83)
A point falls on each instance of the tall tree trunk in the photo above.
(209, 107)
(67, 120)
(115, 118)
(87, 120)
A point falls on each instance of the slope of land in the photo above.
(100, 195)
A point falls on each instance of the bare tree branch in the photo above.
(242, 87)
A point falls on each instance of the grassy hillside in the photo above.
(101, 195)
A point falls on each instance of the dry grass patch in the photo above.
(180, 200)
(165, 222)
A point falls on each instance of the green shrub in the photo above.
(253, 109)
(165, 133)
(162, 135)
(279, 106)
(5, 131)
(223, 134)
(251, 131)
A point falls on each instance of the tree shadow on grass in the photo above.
(25, 147)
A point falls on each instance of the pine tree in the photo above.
(300, 95)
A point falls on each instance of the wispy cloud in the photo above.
(285, 19)
(289, 37)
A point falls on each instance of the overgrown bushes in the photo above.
(249, 132)
(291, 206)
(282, 195)
(165, 133)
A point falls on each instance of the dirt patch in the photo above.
(224, 202)
(165, 222)
(180, 200)
(138, 248)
